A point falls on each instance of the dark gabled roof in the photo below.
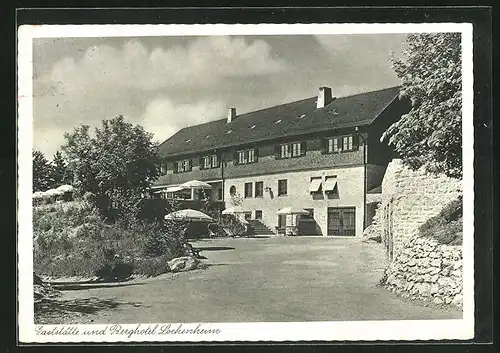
(297, 118)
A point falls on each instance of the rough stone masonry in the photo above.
(426, 270)
(419, 267)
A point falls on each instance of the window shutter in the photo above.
(190, 164)
(355, 141)
(235, 158)
(176, 167)
(202, 164)
(218, 161)
(256, 154)
(324, 146)
(303, 148)
(277, 151)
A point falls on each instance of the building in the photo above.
(322, 154)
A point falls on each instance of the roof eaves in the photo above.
(387, 106)
(271, 139)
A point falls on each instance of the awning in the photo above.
(315, 185)
(330, 184)
(292, 210)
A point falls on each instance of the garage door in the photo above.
(342, 221)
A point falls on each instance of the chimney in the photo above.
(324, 97)
(231, 114)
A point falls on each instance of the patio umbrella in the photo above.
(65, 188)
(188, 215)
(292, 210)
(233, 210)
(195, 184)
(53, 192)
(174, 189)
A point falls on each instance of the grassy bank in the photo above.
(71, 239)
(447, 226)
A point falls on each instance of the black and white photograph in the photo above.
(232, 182)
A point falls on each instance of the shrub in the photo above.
(72, 240)
(230, 226)
(152, 266)
(447, 226)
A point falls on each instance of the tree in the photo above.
(118, 163)
(430, 135)
(61, 174)
(41, 172)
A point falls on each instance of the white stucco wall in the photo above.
(350, 194)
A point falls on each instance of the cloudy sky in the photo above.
(166, 83)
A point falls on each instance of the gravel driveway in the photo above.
(254, 280)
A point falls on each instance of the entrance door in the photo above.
(342, 221)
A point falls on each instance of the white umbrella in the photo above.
(38, 194)
(65, 188)
(53, 192)
(233, 210)
(292, 210)
(188, 215)
(174, 189)
(195, 184)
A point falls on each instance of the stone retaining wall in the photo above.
(427, 270)
(409, 198)
(420, 268)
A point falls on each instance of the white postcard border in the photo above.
(278, 331)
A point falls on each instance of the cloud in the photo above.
(205, 60)
(362, 60)
(165, 118)
(105, 80)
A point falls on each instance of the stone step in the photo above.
(258, 227)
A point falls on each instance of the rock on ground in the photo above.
(185, 263)
(41, 292)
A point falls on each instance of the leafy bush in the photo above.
(229, 226)
(152, 266)
(72, 240)
(447, 226)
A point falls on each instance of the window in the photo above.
(347, 143)
(218, 194)
(281, 221)
(183, 166)
(259, 189)
(282, 187)
(204, 194)
(334, 145)
(163, 168)
(248, 190)
(232, 190)
(258, 214)
(242, 157)
(315, 185)
(251, 156)
(209, 162)
(290, 150)
(248, 215)
(340, 144)
(246, 156)
(206, 163)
